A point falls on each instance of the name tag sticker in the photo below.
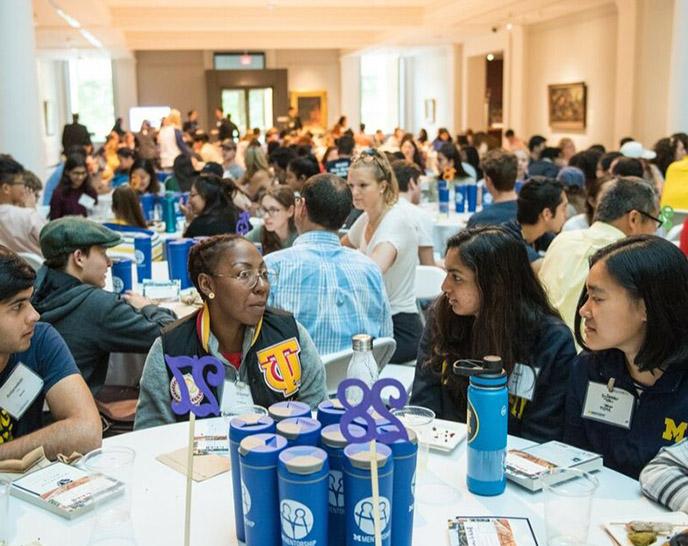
(236, 397)
(20, 390)
(87, 201)
(161, 290)
(614, 408)
(522, 381)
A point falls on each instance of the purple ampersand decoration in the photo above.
(372, 399)
(204, 379)
(243, 225)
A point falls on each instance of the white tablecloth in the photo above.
(158, 501)
(445, 225)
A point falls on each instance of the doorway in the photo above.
(250, 107)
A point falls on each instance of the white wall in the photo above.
(52, 87)
(579, 48)
(350, 88)
(125, 94)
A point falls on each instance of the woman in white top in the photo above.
(170, 140)
(384, 233)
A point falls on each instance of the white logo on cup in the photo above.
(297, 519)
(363, 515)
(335, 489)
(138, 254)
(117, 284)
(245, 498)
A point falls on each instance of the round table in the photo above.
(158, 501)
(445, 225)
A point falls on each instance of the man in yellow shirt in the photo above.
(628, 207)
(675, 192)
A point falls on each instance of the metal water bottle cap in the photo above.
(362, 342)
(489, 365)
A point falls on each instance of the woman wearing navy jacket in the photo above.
(628, 394)
(492, 304)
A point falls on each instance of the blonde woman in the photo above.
(384, 233)
(171, 141)
(257, 177)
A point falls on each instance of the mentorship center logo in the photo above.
(297, 519)
(363, 515)
(335, 490)
(281, 366)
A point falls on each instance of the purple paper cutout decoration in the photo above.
(243, 225)
(204, 380)
(372, 399)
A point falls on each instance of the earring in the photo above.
(211, 295)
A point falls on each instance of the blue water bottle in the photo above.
(147, 201)
(358, 497)
(258, 455)
(122, 275)
(404, 453)
(143, 252)
(330, 412)
(300, 431)
(443, 196)
(471, 196)
(285, 410)
(460, 195)
(178, 260)
(242, 427)
(487, 423)
(169, 215)
(333, 442)
(302, 472)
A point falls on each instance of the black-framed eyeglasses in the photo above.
(659, 221)
(249, 277)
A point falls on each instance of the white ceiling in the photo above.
(127, 25)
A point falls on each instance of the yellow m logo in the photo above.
(281, 366)
(673, 432)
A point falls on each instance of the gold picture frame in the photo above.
(311, 107)
(567, 104)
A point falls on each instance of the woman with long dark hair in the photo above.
(210, 210)
(628, 394)
(183, 173)
(278, 230)
(143, 178)
(448, 157)
(492, 304)
(74, 191)
(411, 152)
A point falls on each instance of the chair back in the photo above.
(429, 281)
(34, 260)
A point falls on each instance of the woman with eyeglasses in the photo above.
(385, 234)
(278, 230)
(628, 394)
(493, 304)
(267, 356)
(211, 210)
(74, 195)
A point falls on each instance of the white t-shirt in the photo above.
(395, 229)
(579, 221)
(423, 221)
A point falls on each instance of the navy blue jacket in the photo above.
(660, 416)
(541, 419)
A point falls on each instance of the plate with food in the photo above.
(662, 530)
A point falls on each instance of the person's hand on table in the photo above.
(137, 301)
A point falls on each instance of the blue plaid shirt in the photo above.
(333, 291)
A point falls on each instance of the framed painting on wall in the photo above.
(567, 106)
(430, 106)
(311, 107)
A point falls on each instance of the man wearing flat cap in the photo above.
(69, 295)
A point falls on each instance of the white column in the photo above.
(124, 85)
(350, 94)
(514, 80)
(20, 112)
(626, 58)
(677, 111)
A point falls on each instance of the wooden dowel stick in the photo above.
(189, 477)
(376, 493)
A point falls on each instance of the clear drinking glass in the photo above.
(4, 512)
(568, 498)
(113, 525)
(419, 420)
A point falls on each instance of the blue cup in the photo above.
(147, 201)
(472, 196)
(330, 412)
(300, 431)
(178, 260)
(460, 197)
(122, 275)
(302, 474)
(284, 410)
(443, 196)
(358, 498)
(404, 453)
(143, 252)
(258, 455)
(242, 427)
(169, 215)
(333, 442)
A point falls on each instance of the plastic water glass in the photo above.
(4, 512)
(113, 525)
(419, 420)
(568, 497)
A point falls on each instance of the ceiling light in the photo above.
(68, 18)
(490, 57)
(245, 59)
(509, 27)
(91, 39)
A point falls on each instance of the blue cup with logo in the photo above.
(330, 412)
(302, 475)
(404, 453)
(122, 275)
(358, 498)
(143, 253)
(242, 427)
(333, 442)
(258, 455)
(443, 196)
(290, 408)
(147, 201)
(178, 260)
(169, 215)
(471, 196)
(460, 197)
(300, 431)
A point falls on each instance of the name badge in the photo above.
(614, 408)
(236, 397)
(20, 390)
(87, 201)
(522, 381)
